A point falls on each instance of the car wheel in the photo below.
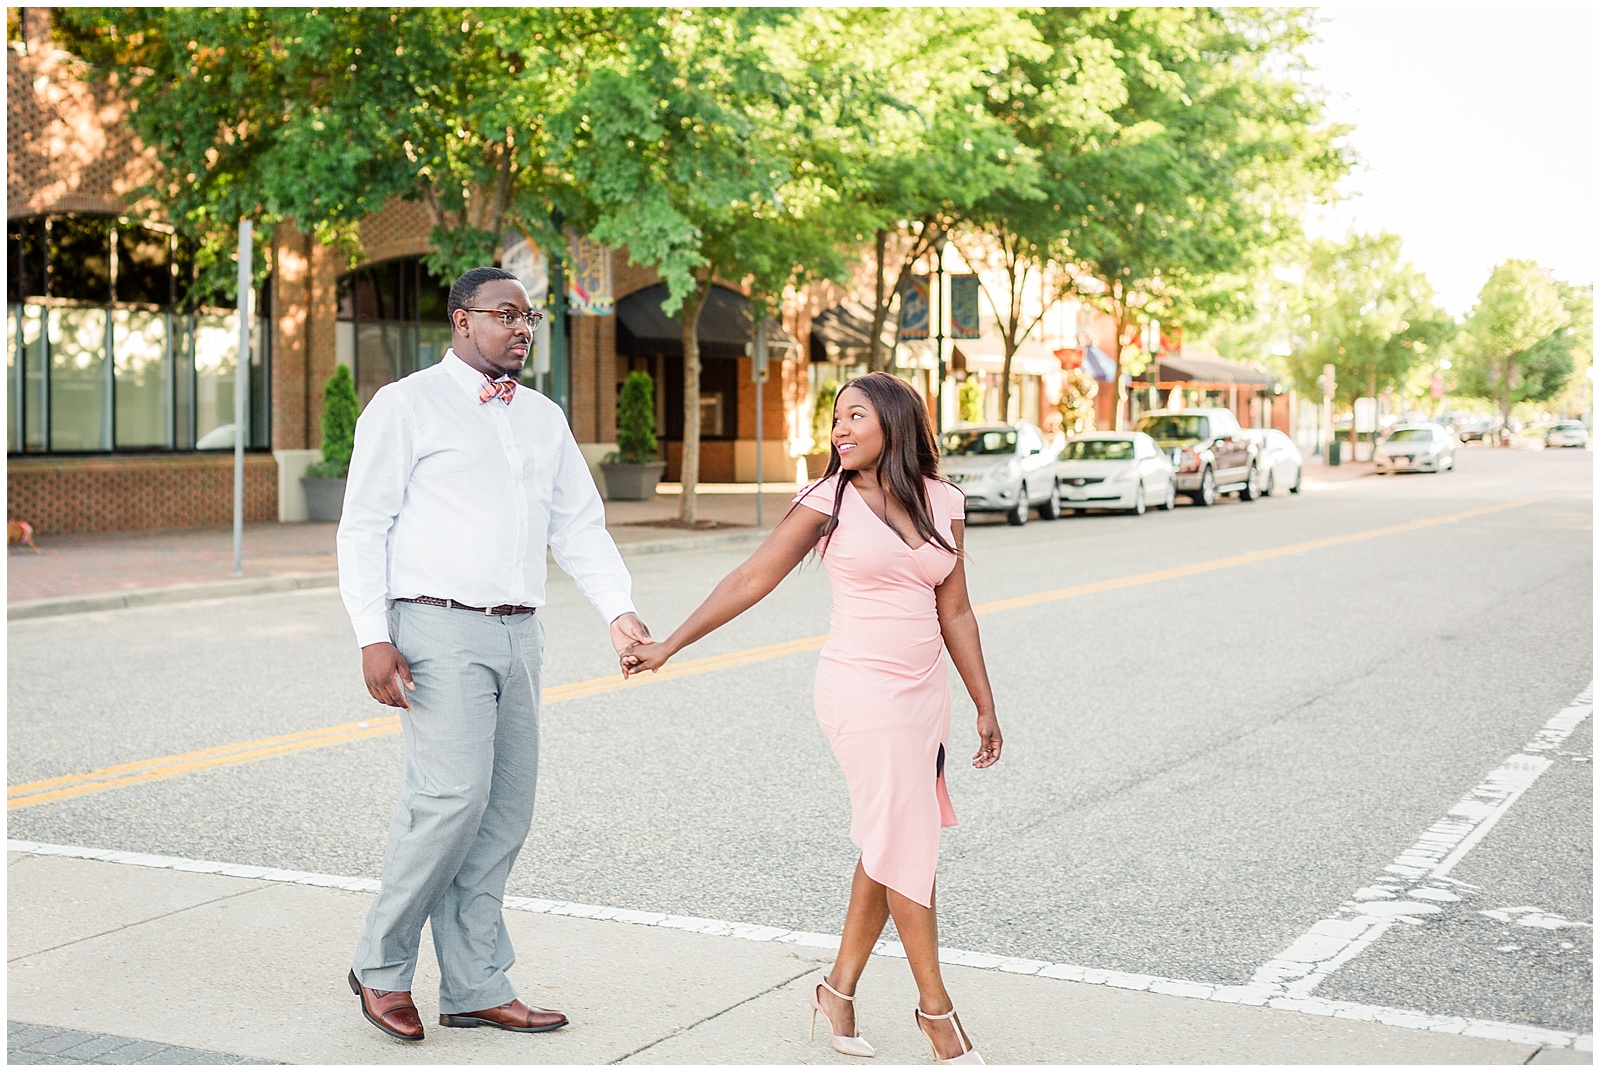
(1172, 496)
(1019, 513)
(1252, 486)
(1208, 489)
(1294, 489)
(1138, 501)
(1052, 506)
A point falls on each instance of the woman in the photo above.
(890, 535)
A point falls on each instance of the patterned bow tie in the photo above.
(503, 389)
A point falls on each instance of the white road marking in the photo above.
(1332, 943)
(1529, 916)
(1247, 995)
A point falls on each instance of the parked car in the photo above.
(1567, 434)
(1003, 468)
(1474, 431)
(1115, 471)
(1427, 448)
(1208, 450)
(1279, 459)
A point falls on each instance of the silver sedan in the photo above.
(1002, 468)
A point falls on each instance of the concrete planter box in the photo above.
(817, 464)
(324, 497)
(627, 482)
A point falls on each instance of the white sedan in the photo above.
(1280, 460)
(1567, 434)
(1425, 448)
(1115, 471)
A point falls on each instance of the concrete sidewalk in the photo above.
(104, 570)
(250, 963)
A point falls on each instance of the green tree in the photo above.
(969, 400)
(1053, 99)
(1515, 345)
(1576, 397)
(1367, 313)
(1218, 149)
(321, 115)
(901, 120)
(690, 150)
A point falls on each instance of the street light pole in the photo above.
(241, 388)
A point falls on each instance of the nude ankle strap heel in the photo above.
(968, 1055)
(849, 1045)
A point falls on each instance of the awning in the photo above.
(1101, 365)
(1208, 369)
(725, 325)
(988, 354)
(844, 333)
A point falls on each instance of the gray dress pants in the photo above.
(471, 754)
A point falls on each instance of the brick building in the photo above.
(119, 385)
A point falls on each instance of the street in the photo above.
(1221, 725)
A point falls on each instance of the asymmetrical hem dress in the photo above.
(882, 691)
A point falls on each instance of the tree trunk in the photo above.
(691, 397)
(880, 307)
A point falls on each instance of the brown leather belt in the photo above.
(450, 604)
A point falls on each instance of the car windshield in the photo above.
(1402, 434)
(984, 441)
(1099, 450)
(1175, 427)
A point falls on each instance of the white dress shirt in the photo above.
(458, 499)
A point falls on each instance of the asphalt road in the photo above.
(1199, 764)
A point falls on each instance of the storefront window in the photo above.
(79, 391)
(391, 322)
(106, 349)
(143, 366)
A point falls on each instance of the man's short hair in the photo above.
(464, 291)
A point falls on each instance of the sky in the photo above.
(1475, 133)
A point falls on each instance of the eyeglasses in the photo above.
(509, 317)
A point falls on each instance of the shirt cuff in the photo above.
(614, 607)
(371, 629)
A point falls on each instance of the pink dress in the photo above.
(882, 692)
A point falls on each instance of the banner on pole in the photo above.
(524, 260)
(964, 315)
(589, 291)
(914, 308)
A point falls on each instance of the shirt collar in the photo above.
(470, 379)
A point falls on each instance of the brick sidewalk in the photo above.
(107, 562)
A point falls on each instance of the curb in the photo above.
(56, 606)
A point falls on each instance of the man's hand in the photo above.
(627, 631)
(381, 664)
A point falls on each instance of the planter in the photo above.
(324, 497)
(628, 482)
(817, 464)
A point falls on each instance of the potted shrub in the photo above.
(323, 481)
(632, 470)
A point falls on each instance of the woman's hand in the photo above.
(988, 741)
(638, 658)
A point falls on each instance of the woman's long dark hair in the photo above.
(910, 453)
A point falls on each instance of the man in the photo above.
(458, 481)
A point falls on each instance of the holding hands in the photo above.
(641, 657)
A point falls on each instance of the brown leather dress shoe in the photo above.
(512, 1016)
(390, 1011)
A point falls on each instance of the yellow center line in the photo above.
(142, 772)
